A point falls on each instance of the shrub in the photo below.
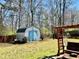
(73, 33)
(45, 32)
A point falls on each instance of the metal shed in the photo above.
(28, 34)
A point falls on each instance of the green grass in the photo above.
(29, 50)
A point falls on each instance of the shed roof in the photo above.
(21, 30)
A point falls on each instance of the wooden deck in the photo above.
(64, 56)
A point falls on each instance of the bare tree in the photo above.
(33, 6)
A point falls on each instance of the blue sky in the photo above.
(75, 3)
(2, 1)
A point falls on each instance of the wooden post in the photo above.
(60, 40)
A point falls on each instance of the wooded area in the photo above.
(40, 25)
(16, 14)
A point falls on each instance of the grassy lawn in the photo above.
(29, 50)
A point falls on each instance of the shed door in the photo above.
(32, 35)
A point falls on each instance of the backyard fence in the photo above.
(7, 38)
